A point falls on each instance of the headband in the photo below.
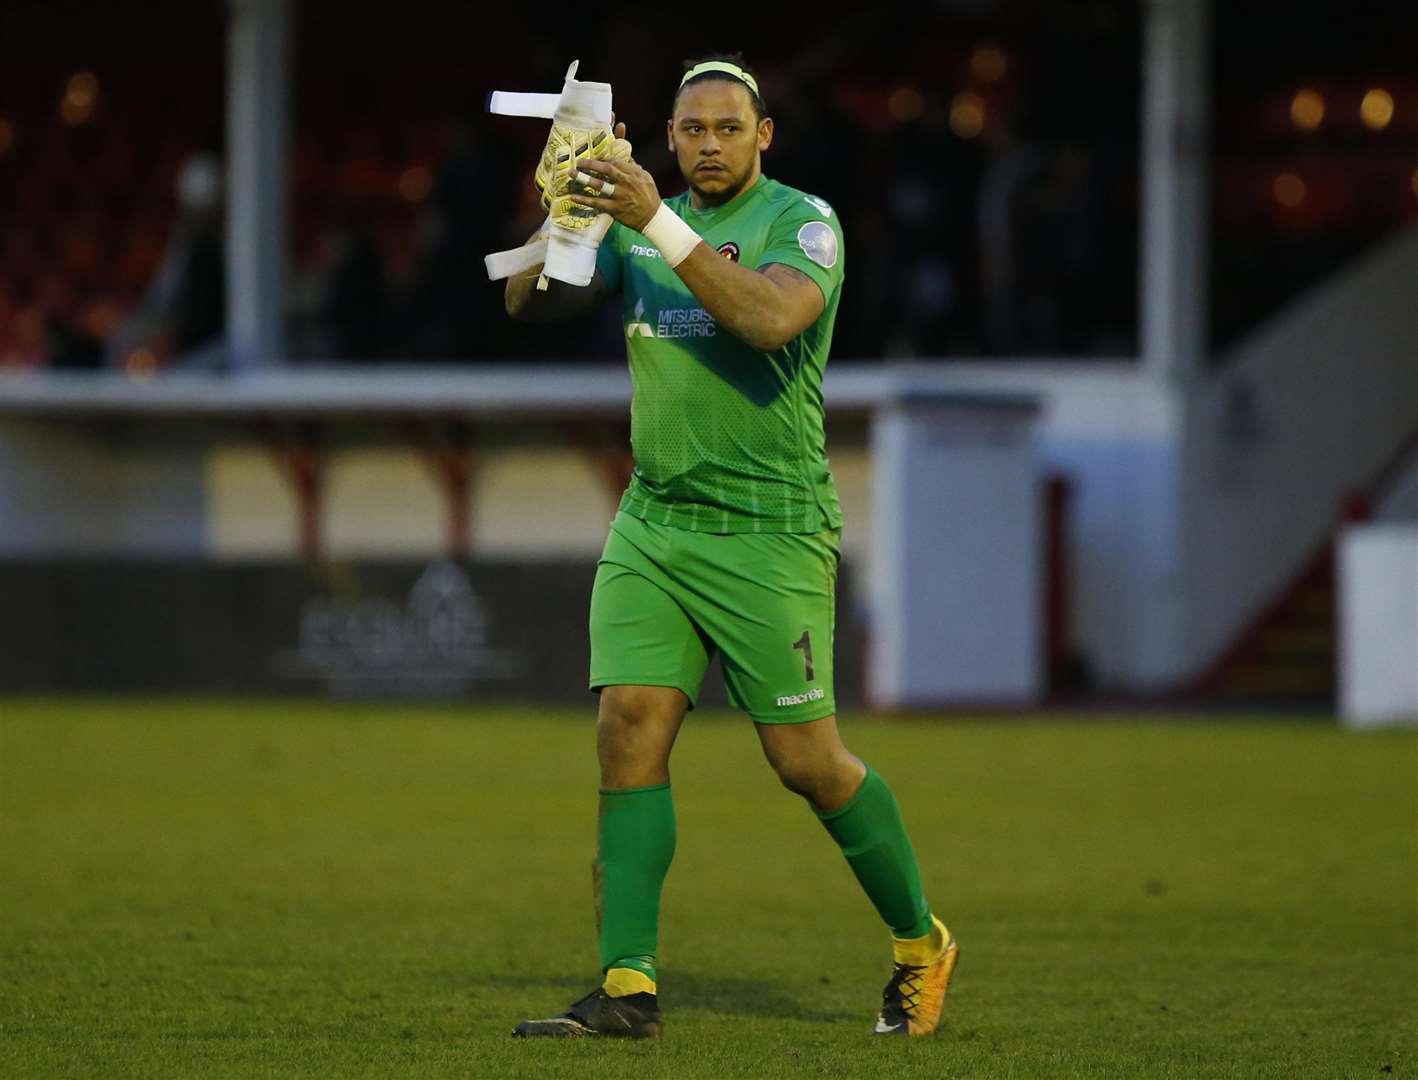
(724, 66)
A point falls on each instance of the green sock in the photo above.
(636, 844)
(871, 834)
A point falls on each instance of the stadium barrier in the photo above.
(102, 468)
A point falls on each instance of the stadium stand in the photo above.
(974, 149)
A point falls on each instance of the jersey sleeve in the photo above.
(808, 237)
(608, 256)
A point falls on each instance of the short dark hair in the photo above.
(759, 108)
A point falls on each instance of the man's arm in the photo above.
(764, 308)
(524, 301)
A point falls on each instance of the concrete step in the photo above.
(1295, 640)
(1288, 682)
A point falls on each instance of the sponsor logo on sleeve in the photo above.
(819, 243)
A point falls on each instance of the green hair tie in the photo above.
(724, 66)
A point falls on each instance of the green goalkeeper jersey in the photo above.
(727, 438)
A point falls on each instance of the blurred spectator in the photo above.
(181, 319)
(450, 307)
(932, 181)
(69, 347)
(1005, 253)
(962, 239)
(355, 306)
(1041, 235)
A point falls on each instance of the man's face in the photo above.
(717, 139)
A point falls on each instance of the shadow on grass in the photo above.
(692, 990)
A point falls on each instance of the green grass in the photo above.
(271, 890)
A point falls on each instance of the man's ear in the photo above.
(670, 134)
(765, 133)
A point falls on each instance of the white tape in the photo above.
(571, 253)
(503, 264)
(580, 104)
(584, 104)
(586, 179)
(567, 255)
(512, 103)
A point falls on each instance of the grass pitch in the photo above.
(207, 889)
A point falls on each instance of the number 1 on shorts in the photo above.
(805, 644)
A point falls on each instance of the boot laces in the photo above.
(905, 988)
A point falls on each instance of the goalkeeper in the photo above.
(727, 537)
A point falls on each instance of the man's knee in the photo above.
(801, 777)
(624, 731)
(635, 731)
(813, 763)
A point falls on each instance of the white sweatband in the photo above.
(668, 232)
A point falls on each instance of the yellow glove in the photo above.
(556, 172)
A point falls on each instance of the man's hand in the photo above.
(622, 189)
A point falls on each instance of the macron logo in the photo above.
(648, 252)
(817, 693)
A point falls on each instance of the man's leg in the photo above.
(635, 731)
(862, 816)
(859, 812)
(647, 660)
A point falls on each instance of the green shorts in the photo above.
(666, 599)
